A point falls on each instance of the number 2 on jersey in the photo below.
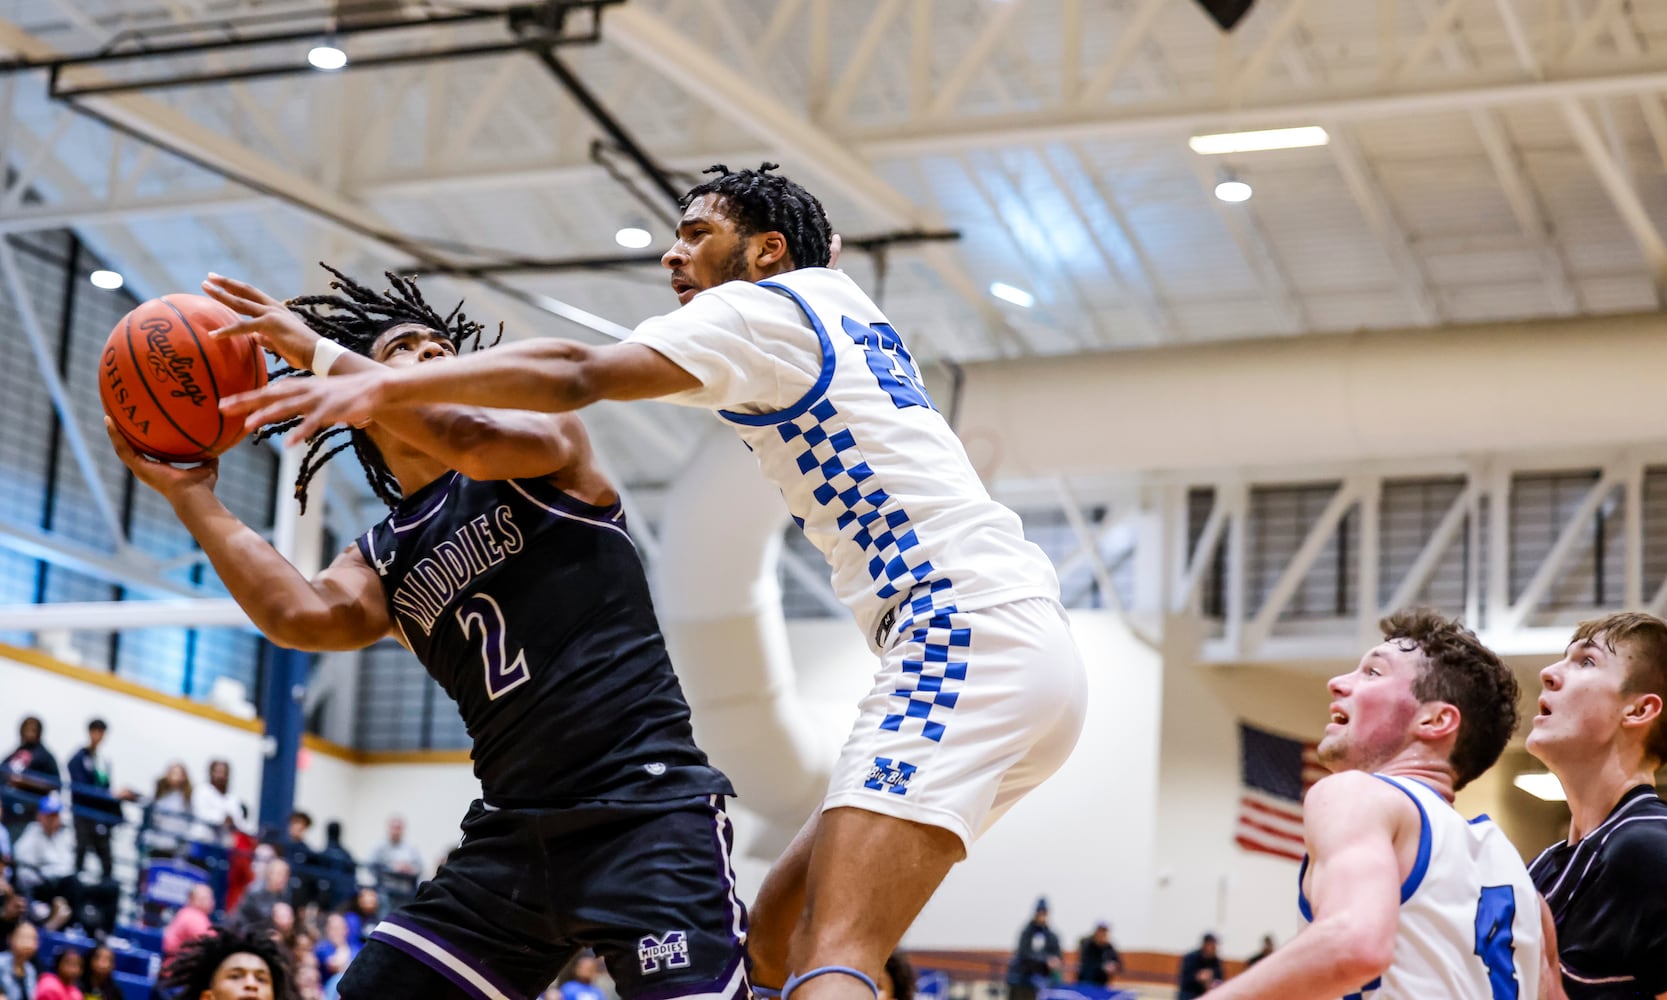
(1495, 912)
(479, 612)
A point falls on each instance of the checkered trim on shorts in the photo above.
(935, 670)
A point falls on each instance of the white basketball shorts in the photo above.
(968, 713)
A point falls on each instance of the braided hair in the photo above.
(762, 202)
(190, 973)
(354, 320)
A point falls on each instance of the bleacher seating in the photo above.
(133, 987)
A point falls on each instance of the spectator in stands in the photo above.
(1267, 949)
(256, 908)
(96, 808)
(190, 922)
(1200, 970)
(1037, 959)
(582, 984)
(334, 952)
(1097, 959)
(284, 928)
(28, 773)
(228, 965)
(302, 859)
(218, 809)
(363, 915)
(338, 873)
(99, 981)
(5, 856)
(45, 856)
(897, 979)
(398, 864)
(17, 962)
(63, 982)
(170, 813)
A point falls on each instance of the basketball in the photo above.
(162, 376)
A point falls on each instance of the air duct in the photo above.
(720, 606)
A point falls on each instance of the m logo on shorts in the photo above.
(672, 948)
(891, 776)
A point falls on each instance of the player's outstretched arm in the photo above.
(481, 443)
(543, 374)
(342, 608)
(1350, 822)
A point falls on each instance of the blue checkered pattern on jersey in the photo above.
(830, 455)
(897, 562)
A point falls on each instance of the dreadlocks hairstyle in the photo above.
(762, 202)
(191, 971)
(354, 319)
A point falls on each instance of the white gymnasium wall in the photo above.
(1202, 879)
(143, 739)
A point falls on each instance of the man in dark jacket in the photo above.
(1037, 957)
(1097, 958)
(96, 810)
(27, 774)
(1200, 970)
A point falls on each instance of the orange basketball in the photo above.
(162, 376)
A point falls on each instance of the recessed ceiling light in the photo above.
(109, 280)
(1007, 293)
(1234, 190)
(1255, 142)
(633, 237)
(1541, 786)
(326, 57)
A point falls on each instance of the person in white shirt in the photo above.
(980, 692)
(45, 856)
(218, 809)
(397, 861)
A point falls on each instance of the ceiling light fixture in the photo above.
(107, 280)
(633, 237)
(326, 57)
(1221, 143)
(1541, 785)
(1007, 293)
(1230, 189)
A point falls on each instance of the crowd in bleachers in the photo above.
(73, 929)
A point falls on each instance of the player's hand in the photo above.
(269, 321)
(319, 402)
(168, 480)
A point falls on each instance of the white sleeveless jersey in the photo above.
(1470, 917)
(869, 467)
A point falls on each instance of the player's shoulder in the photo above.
(1358, 792)
(1639, 838)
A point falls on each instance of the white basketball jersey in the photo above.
(1470, 917)
(877, 479)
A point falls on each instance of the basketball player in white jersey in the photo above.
(979, 696)
(1403, 899)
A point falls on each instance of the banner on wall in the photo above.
(1275, 773)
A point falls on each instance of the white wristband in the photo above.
(325, 353)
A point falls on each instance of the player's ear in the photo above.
(1642, 710)
(1439, 719)
(770, 251)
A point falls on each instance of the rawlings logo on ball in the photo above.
(167, 364)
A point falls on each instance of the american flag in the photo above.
(1276, 772)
